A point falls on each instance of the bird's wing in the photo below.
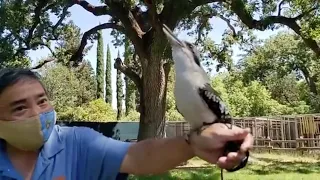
(214, 102)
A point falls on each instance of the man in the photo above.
(33, 147)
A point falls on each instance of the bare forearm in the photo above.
(157, 156)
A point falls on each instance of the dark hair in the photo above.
(10, 76)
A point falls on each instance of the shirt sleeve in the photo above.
(102, 155)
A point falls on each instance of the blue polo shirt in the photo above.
(72, 153)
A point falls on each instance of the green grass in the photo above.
(260, 167)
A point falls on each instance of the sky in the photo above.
(86, 21)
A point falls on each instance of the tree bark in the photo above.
(153, 103)
(312, 85)
(311, 80)
(153, 93)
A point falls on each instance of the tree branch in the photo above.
(36, 21)
(133, 31)
(128, 72)
(52, 52)
(205, 18)
(43, 63)
(78, 55)
(280, 7)
(238, 7)
(229, 24)
(53, 58)
(153, 15)
(142, 18)
(183, 8)
(120, 10)
(63, 16)
(95, 10)
(306, 12)
(114, 8)
(38, 12)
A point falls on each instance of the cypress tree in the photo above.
(100, 67)
(108, 97)
(119, 93)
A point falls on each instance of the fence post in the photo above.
(296, 132)
(254, 132)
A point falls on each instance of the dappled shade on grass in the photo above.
(260, 167)
(276, 167)
(203, 174)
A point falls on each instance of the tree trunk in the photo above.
(153, 95)
(312, 85)
(311, 80)
(153, 102)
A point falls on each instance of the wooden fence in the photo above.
(277, 132)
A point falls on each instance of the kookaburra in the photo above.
(196, 100)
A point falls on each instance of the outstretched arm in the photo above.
(105, 157)
(156, 156)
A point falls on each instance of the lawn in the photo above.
(262, 166)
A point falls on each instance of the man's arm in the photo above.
(105, 157)
(154, 156)
(158, 156)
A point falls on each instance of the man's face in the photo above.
(22, 100)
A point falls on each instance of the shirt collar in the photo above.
(54, 144)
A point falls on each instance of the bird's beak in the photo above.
(174, 41)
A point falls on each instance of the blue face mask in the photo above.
(29, 134)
